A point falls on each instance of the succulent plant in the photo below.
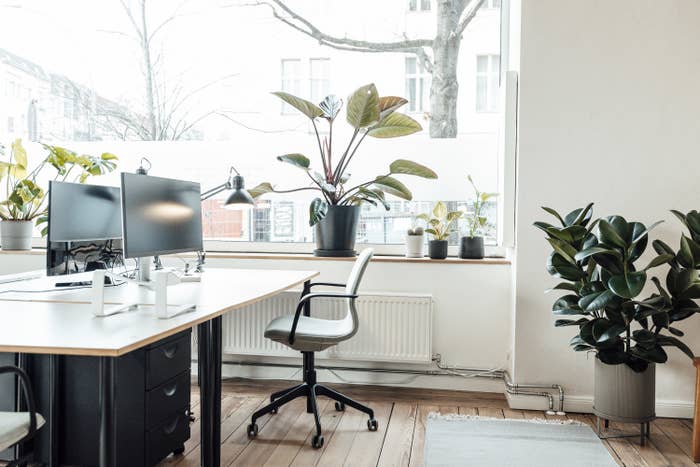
(416, 231)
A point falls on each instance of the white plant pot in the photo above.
(16, 235)
(415, 246)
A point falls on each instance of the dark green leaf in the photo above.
(555, 214)
(395, 125)
(402, 166)
(363, 107)
(297, 160)
(309, 109)
(596, 301)
(317, 211)
(394, 187)
(609, 235)
(628, 285)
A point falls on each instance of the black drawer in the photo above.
(167, 398)
(168, 360)
(167, 437)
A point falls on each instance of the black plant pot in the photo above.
(335, 234)
(437, 249)
(471, 248)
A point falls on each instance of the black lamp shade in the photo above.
(239, 197)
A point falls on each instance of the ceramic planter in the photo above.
(437, 249)
(623, 395)
(414, 246)
(471, 248)
(335, 234)
(16, 235)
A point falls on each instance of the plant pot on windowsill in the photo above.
(437, 249)
(471, 247)
(624, 395)
(16, 235)
(415, 243)
(335, 233)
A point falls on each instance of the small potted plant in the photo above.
(472, 245)
(415, 240)
(25, 200)
(336, 212)
(441, 223)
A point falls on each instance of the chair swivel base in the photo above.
(311, 391)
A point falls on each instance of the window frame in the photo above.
(489, 75)
(285, 108)
(422, 84)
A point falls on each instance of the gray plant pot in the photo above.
(437, 249)
(623, 395)
(16, 235)
(335, 234)
(471, 248)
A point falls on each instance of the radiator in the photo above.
(393, 328)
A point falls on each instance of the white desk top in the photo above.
(62, 323)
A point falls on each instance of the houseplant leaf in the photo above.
(297, 160)
(403, 166)
(555, 214)
(363, 107)
(330, 107)
(394, 187)
(628, 285)
(260, 189)
(394, 125)
(596, 300)
(309, 109)
(610, 236)
(317, 211)
(388, 104)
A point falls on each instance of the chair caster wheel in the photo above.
(274, 411)
(372, 424)
(179, 451)
(252, 430)
(339, 407)
(317, 442)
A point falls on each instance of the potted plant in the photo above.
(441, 223)
(472, 245)
(25, 200)
(603, 282)
(335, 213)
(415, 240)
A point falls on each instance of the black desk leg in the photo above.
(209, 356)
(54, 416)
(108, 441)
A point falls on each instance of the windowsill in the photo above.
(310, 257)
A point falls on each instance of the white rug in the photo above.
(463, 440)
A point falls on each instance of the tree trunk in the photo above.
(444, 88)
(148, 74)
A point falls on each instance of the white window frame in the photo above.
(420, 6)
(422, 86)
(490, 4)
(287, 109)
(492, 71)
(313, 79)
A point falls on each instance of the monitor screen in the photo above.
(160, 216)
(79, 212)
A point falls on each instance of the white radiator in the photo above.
(393, 328)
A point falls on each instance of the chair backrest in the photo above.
(358, 270)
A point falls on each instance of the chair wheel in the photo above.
(372, 424)
(252, 430)
(274, 410)
(179, 450)
(340, 407)
(317, 442)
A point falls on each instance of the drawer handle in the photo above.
(169, 391)
(170, 352)
(170, 428)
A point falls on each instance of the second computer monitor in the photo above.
(160, 216)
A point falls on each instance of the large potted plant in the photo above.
(472, 245)
(335, 213)
(598, 262)
(25, 201)
(441, 223)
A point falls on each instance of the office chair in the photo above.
(19, 427)
(308, 335)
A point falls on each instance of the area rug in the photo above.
(463, 440)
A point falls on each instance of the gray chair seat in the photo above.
(312, 334)
(14, 426)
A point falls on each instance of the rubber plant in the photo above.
(598, 262)
(440, 222)
(369, 115)
(25, 198)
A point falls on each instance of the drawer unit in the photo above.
(168, 359)
(167, 437)
(165, 400)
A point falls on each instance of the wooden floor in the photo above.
(284, 438)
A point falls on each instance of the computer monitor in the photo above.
(79, 212)
(160, 216)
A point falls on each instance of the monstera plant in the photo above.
(338, 198)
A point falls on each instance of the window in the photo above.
(417, 85)
(487, 78)
(212, 107)
(492, 4)
(10, 124)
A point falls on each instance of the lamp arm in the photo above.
(216, 190)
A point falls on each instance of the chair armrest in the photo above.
(326, 284)
(306, 299)
(28, 395)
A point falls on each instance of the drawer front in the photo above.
(166, 399)
(167, 437)
(167, 361)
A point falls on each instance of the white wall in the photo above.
(610, 113)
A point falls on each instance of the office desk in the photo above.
(61, 323)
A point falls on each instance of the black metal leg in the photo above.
(299, 391)
(314, 409)
(54, 407)
(209, 354)
(108, 453)
(335, 395)
(278, 394)
(607, 423)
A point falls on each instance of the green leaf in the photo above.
(582, 216)
(629, 285)
(596, 250)
(658, 261)
(560, 267)
(638, 236)
(260, 190)
(610, 333)
(378, 196)
(106, 156)
(672, 341)
(564, 286)
(564, 249)
(440, 210)
(330, 107)
(388, 104)
(395, 125)
(569, 322)
(609, 236)
(297, 160)
(317, 211)
(394, 187)
(555, 214)
(20, 156)
(596, 300)
(403, 166)
(363, 107)
(689, 254)
(309, 109)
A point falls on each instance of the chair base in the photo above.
(311, 390)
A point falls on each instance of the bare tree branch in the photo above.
(468, 15)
